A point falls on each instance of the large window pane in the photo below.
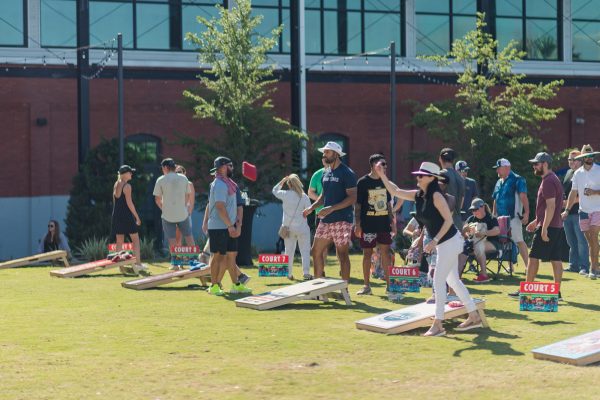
(286, 33)
(432, 34)
(58, 23)
(464, 6)
(586, 41)
(437, 6)
(107, 19)
(542, 40)
(378, 5)
(509, 8)
(508, 29)
(353, 5)
(312, 26)
(152, 26)
(381, 29)
(354, 32)
(585, 9)
(461, 26)
(330, 32)
(269, 22)
(12, 30)
(190, 24)
(541, 8)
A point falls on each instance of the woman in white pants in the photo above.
(433, 212)
(294, 202)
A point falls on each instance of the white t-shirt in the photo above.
(173, 189)
(583, 179)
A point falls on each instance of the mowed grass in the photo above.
(90, 338)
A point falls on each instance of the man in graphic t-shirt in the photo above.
(338, 198)
(373, 220)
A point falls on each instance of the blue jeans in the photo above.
(578, 253)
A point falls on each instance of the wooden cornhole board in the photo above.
(309, 290)
(87, 268)
(413, 317)
(169, 277)
(579, 350)
(49, 256)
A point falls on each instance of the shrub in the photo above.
(92, 249)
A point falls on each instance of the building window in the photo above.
(340, 139)
(274, 13)
(192, 9)
(58, 23)
(373, 24)
(440, 22)
(586, 30)
(533, 24)
(13, 23)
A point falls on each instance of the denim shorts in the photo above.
(185, 226)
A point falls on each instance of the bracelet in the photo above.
(436, 240)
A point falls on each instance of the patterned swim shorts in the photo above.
(338, 232)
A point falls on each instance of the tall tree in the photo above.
(494, 113)
(234, 93)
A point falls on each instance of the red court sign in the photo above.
(185, 249)
(126, 246)
(409, 272)
(540, 287)
(273, 258)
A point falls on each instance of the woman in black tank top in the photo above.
(433, 212)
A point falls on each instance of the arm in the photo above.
(312, 194)
(357, 227)
(205, 220)
(442, 206)
(238, 221)
(222, 211)
(494, 211)
(548, 214)
(191, 200)
(348, 201)
(277, 192)
(525, 201)
(314, 205)
(571, 201)
(158, 201)
(130, 205)
(409, 230)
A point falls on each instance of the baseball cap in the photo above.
(126, 168)
(502, 162)
(219, 162)
(541, 157)
(476, 204)
(461, 166)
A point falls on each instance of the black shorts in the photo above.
(556, 249)
(221, 242)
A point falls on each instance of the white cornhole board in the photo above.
(163, 279)
(87, 268)
(308, 290)
(413, 317)
(579, 350)
(49, 256)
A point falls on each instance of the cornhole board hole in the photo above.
(166, 278)
(579, 350)
(273, 265)
(88, 268)
(49, 256)
(309, 290)
(539, 296)
(413, 317)
(182, 255)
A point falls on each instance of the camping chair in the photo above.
(505, 255)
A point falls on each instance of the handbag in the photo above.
(284, 231)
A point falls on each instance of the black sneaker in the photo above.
(560, 298)
(514, 295)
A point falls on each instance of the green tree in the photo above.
(234, 94)
(90, 203)
(493, 113)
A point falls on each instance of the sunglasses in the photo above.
(50, 226)
(571, 159)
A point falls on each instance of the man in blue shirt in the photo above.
(337, 215)
(510, 199)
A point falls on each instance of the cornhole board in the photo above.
(49, 256)
(88, 268)
(166, 278)
(413, 317)
(182, 255)
(579, 350)
(309, 290)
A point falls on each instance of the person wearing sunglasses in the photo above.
(433, 212)
(54, 239)
(586, 188)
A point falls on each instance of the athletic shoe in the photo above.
(482, 278)
(243, 278)
(240, 288)
(175, 268)
(215, 290)
(583, 271)
(593, 274)
(560, 298)
(365, 290)
(308, 277)
(571, 268)
(394, 296)
(141, 269)
(514, 295)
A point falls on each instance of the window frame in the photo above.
(584, 20)
(25, 32)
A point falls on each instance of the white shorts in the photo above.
(516, 229)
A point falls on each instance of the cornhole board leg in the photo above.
(579, 350)
(203, 280)
(49, 256)
(87, 268)
(310, 290)
(413, 317)
(163, 279)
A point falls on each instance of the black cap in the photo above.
(168, 162)
(448, 154)
(219, 162)
(541, 157)
(126, 168)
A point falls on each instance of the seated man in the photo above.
(482, 228)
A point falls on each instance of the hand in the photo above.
(325, 211)
(205, 227)
(307, 212)
(589, 192)
(564, 215)
(525, 219)
(429, 247)
(190, 210)
(379, 170)
(138, 222)
(358, 231)
(544, 234)
(531, 227)
(231, 230)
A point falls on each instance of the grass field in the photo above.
(89, 338)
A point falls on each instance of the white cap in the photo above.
(333, 146)
(502, 162)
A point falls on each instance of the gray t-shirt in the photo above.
(456, 187)
(218, 192)
(172, 188)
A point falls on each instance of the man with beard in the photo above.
(549, 243)
(586, 188)
(455, 184)
(337, 198)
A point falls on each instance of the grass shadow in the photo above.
(585, 306)
(482, 341)
(546, 323)
(483, 291)
(193, 286)
(503, 314)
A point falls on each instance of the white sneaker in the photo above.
(583, 271)
(175, 268)
(593, 274)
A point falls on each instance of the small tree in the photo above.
(90, 203)
(234, 94)
(493, 112)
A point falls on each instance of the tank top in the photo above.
(430, 217)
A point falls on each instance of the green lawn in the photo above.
(89, 338)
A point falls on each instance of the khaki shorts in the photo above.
(516, 229)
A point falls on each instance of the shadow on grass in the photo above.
(482, 340)
(193, 286)
(585, 306)
(546, 323)
(482, 291)
(503, 314)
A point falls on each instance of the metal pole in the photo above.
(297, 75)
(83, 85)
(393, 108)
(120, 89)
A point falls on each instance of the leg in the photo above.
(571, 236)
(523, 251)
(135, 240)
(178, 236)
(386, 261)
(532, 269)
(582, 247)
(479, 250)
(231, 266)
(592, 238)
(120, 240)
(558, 271)
(215, 268)
(366, 264)
(290, 250)
(319, 245)
(304, 245)
(343, 253)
